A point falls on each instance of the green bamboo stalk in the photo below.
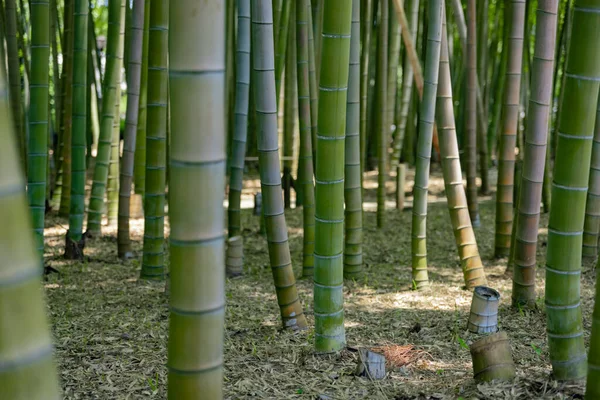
(305, 179)
(139, 164)
(67, 112)
(74, 240)
(381, 125)
(153, 260)
(112, 186)
(353, 258)
(134, 71)
(289, 110)
(508, 136)
(329, 212)
(197, 168)
(534, 156)
(367, 28)
(282, 42)
(466, 243)
(28, 371)
(110, 96)
(37, 147)
(314, 92)
(483, 24)
(318, 29)
(471, 113)
(407, 85)
(240, 132)
(394, 36)
(14, 76)
(569, 189)
(263, 65)
(425, 138)
(591, 226)
(230, 25)
(592, 389)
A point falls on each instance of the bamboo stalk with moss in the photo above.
(37, 148)
(425, 138)
(28, 371)
(569, 190)
(263, 66)
(197, 168)
(134, 71)
(110, 95)
(306, 146)
(153, 259)
(534, 157)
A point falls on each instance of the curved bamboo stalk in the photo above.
(381, 122)
(134, 71)
(306, 148)
(240, 132)
(74, 240)
(508, 136)
(425, 138)
(153, 260)
(14, 75)
(591, 227)
(139, 163)
(353, 258)
(37, 148)
(110, 94)
(367, 29)
(263, 65)
(329, 213)
(197, 168)
(569, 189)
(471, 113)
(534, 156)
(28, 371)
(470, 261)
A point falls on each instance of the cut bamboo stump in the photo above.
(234, 260)
(484, 310)
(492, 358)
(400, 181)
(370, 364)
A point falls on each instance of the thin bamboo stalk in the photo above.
(367, 26)
(112, 185)
(534, 156)
(289, 110)
(139, 163)
(314, 92)
(14, 75)
(197, 168)
(381, 125)
(394, 35)
(471, 113)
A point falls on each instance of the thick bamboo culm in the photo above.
(492, 358)
(305, 179)
(112, 183)
(153, 259)
(591, 227)
(353, 215)
(110, 92)
(508, 136)
(329, 176)
(569, 192)
(423, 162)
(263, 66)
(26, 345)
(234, 257)
(197, 168)
(37, 147)
(534, 156)
(470, 261)
(240, 129)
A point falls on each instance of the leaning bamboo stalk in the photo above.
(534, 156)
(381, 122)
(134, 71)
(197, 168)
(466, 243)
(591, 227)
(37, 148)
(353, 215)
(263, 64)
(306, 146)
(425, 138)
(508, 136)
(240, 131)
(153, 259)
(28, 371)
(569, 189)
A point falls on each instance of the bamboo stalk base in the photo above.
(74, 250)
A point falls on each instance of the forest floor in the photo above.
(110, 329)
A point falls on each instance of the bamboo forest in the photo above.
(299, 199)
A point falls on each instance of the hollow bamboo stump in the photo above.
(234, 257)
(492, 358)
(484, 310)
(370, 364)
